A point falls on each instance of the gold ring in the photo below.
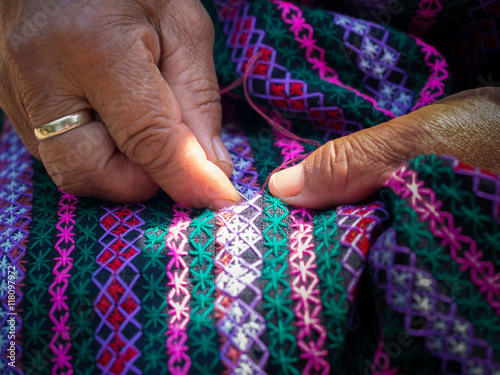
(64, 124)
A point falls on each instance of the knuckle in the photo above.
(206, 100)
(199, 17)
(83, 36)
(78, 23)
(338, 160)
(76, 167)
(72, 181)
(76, 183)
(24, 38)
(21, 49)
(326, 158)
(319, 167)
(147, 147)
(331, 165)
(97, 32)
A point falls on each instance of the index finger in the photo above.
(145, 120)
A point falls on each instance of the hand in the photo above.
(146, 68)
(350, 169)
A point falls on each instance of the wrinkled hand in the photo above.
(146, 68)
(349, 169)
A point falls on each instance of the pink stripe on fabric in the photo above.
(425, 17)
(463, 249)
(179, 361)
(59, 312)
(315, 55)
(305, 290)
(434, 87)
(290, 148)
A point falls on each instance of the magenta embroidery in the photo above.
(290, 149)
(59, 313)
(287, 93)
(178, 299)
(482, 177)
(463, 249)
(305, 289)
(425, 17)
(315, 55)
(434, 87)
(415, 293)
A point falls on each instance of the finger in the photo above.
(19, 119)
(144, 119)
(190, 73)
(346, 170)
(352, 168)
(85, 162)
(12, 104)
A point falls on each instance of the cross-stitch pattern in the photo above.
(117, 304)
(406, 282)
(179, 296)
(59, 312)
(16, 183)
(428, 313)
(240, 264)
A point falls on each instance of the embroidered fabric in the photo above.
(407, 282)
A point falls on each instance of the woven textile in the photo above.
(407, 282)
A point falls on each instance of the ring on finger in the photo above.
(63, 124)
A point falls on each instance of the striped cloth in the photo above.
(405, 283)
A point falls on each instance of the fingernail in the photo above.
(221, 151)
(289, 182)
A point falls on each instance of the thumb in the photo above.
(345, 170)
(351, 168)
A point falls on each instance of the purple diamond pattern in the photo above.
(116, 305)
(16, 185)
(240, 261)
(284, 93)
(244, 175)
(357, 224)
(414, 293)
(485, 184)
(383, 79)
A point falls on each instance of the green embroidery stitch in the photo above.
(202, 332)
(81, 288)
(413, 233)
(154, 288)
(333, 295)
(277, 291)
(35, 302)
(462, 203)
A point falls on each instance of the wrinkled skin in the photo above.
(465, 125)
(147, 68)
